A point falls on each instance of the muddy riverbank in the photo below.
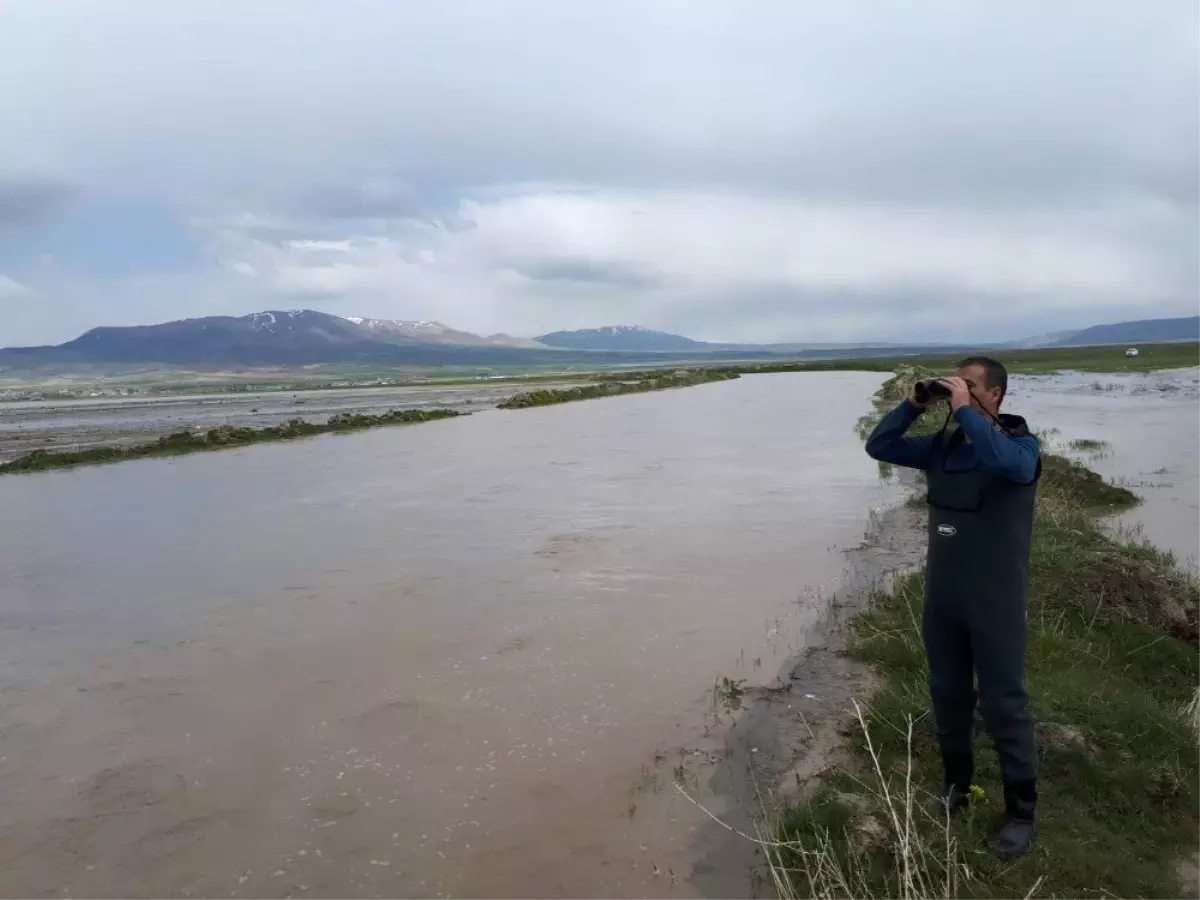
(791, 729)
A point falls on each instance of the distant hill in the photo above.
(1143, 331)
(623, 337)
(637, 338)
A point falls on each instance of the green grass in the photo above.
(181, 442)
(1112, 668)
(634, 383)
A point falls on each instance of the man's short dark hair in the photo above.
(994, 372)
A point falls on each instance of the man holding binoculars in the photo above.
(982, 477)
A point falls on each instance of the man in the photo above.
(982, 477)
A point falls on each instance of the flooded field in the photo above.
(1148, 429)
(87, 423)
(462, 659)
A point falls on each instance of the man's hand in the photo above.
(960, 392)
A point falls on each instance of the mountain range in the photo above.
(634, 338)
(1143, 331)
(305, 337)
(622, 337)
(434, 331)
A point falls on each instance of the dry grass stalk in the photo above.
(927, 863)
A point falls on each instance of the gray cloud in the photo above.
(32, 200)
(1061, 98)
(589, 271)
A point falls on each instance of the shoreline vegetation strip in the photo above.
(1113, 673)
(220, 438)
(614, 386)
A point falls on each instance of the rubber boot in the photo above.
(956, 786)
(952, 799)
(1014, 833)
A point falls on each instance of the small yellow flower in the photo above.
(977, 794)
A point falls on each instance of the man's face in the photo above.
(976, 378)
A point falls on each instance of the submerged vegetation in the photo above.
(615, 385)
(727, 692)
(1113, 674)
(181, 442)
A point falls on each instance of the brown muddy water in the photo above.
(1149, 424)
(462, 659)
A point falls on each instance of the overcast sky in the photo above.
(769, 170)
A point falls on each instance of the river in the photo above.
(463, 658)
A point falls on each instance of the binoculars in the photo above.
(929, 389)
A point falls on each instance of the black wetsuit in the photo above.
(981, 505)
